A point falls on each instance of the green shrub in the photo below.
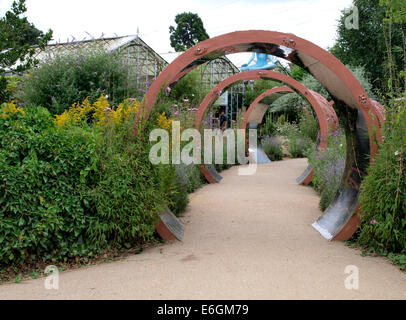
(260, 86)
(328, 167)
(64, 79)
(383, 191)
(297, 145)
(179, 197)
(43, 186)
(190, 87)
(188, 178)
(308, 125)
(288, 105)
(194, 175)
(129, 191)
(272, 147)
(9, 87)
(285, 128)
(297, 72)
(75, 191)
(269, 127)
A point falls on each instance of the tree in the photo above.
(366, 46)
(191, 87)
(17, 35)
(395, 13)
(188, 32)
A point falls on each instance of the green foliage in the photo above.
(75, 191)
(296, 141)
(9, 88)
(328, 167)
(4, 94)
(291, 103)
(259, 86)
(396, 9)
(285, 128)
(42, 185)
(66, 79)
(129, 191)
(362, 77)
(312, 83)
(195, 177)
(297, 144)
(297, 72)
(224, 165)
(188, 179)
(16, 37)
(269, 127)
(366, 46)
(190, 87)
(272, 147)
(399, 259)
(189, 31)
(383, 191)
(179, 196)
(308, 125)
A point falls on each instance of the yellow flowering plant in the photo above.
(164, 122)
(9, 109)
(100, 112)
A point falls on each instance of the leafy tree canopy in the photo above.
(395, 8)
(365, 46)
(188, 32)
(17, 35)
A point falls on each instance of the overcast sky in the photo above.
(314, 20)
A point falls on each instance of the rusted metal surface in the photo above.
(253, 106)
(325, 113)
(169, 227)
(326, 109)
(379, 111)
(331, 73)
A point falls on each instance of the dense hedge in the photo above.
(42, 196)
(73, 191)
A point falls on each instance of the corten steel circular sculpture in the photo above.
(256, 112)
(254, 117)
(355, 107)
(326, 115)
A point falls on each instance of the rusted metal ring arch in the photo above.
(253, 106)
(306, 177)
(325, 113)
(254, 116)
(338, 221)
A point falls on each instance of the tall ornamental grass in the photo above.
(383, 191)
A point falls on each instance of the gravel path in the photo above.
(249, 237)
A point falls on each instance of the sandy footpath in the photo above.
(249, 237)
